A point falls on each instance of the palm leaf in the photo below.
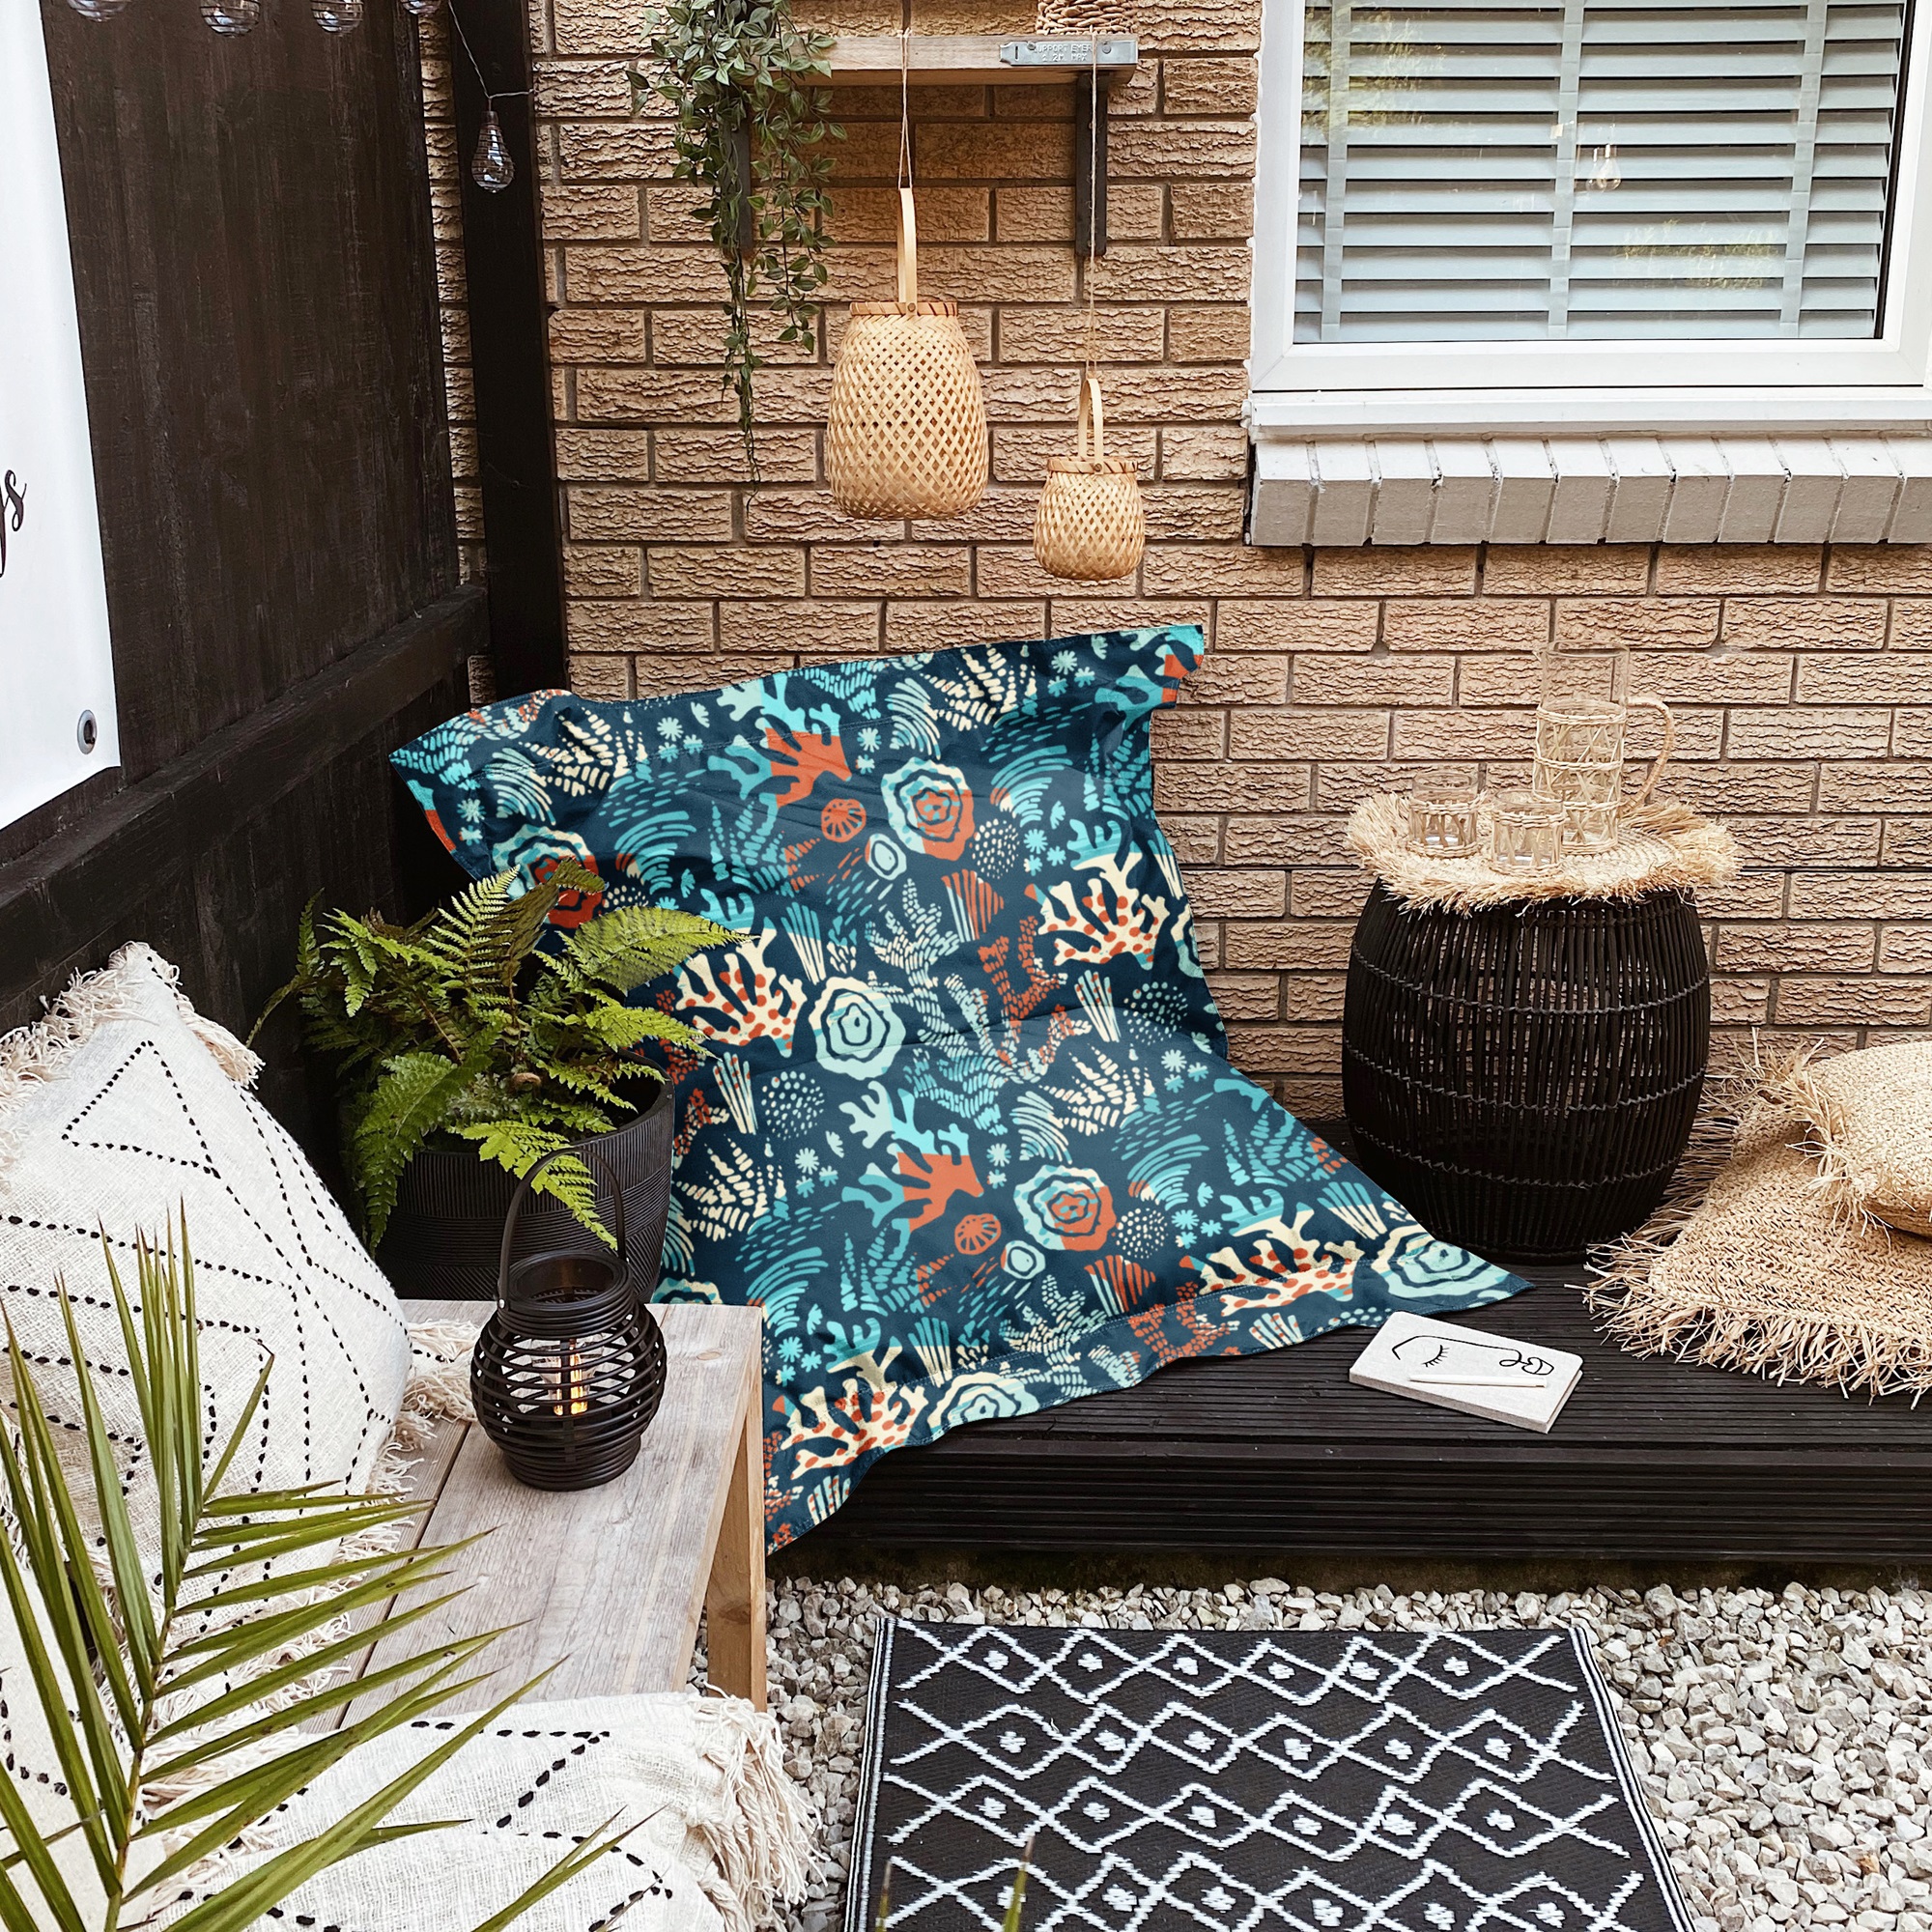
(154, 1668)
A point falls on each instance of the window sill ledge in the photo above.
(1341, 491)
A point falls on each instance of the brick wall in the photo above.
(1803, 679)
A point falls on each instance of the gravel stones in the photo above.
(1780, 1737)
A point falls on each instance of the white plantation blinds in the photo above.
(1495, 169)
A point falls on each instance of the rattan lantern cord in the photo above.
(905, 100)
(1091, 358)
(906, 430)
(1091, 526)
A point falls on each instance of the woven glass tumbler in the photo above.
(1443, 821)
(1525, 834)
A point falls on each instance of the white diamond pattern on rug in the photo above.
(1251, 1781)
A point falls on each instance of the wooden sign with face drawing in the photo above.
(1468, 1368)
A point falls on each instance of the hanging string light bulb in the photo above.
(490, 167)
(231, 16)
(97, 10)
(421, 9)
(337, 17)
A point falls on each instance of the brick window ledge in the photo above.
(1586, 489)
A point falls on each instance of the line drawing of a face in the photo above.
(1471, 1357)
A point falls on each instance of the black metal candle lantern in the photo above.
(570, 1369)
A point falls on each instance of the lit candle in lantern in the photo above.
(572, 1395)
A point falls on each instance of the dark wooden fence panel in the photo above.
(256, 284)
(255, 276)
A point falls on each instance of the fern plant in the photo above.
(460, 1028)
(160, 1674)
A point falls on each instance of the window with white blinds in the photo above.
(1595, 169)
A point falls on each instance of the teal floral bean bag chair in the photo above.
(967, 1131)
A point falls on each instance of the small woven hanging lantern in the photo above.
(1089, 524)
(906, 436)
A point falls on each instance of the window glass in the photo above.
(1495, 169)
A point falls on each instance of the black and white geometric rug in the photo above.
(1251, 1781)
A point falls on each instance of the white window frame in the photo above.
(1699, 386)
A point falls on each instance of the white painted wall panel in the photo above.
(55, 658)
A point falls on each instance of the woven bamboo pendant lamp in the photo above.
(1089, 524)
(906, 436)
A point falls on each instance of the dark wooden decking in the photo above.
(1651, 1461)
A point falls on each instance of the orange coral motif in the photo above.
(1277, 1278)
(1121, 1282)
(932, 1180)
(975, 1233)
(737, 997)
(799, 761)
(841, 819)
(1017, 1001)
(870, 1412)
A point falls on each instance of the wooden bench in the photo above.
(1653, 1461)
(609, 1583)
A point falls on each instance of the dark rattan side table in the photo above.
(1524, 1076)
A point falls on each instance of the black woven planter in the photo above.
(443, 1240)
(1524, 1077)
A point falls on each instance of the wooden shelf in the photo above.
(982, 60)
(977, 60)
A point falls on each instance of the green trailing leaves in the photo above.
(156, 1672)
(751, 136)
(458, 1028)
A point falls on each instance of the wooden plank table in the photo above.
(608, 1584)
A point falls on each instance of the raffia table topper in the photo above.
(1664, 848)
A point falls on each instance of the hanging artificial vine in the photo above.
(751, 133)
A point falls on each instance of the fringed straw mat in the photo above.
(1664, 847)
(1768, 1274)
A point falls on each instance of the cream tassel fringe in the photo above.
(761, 1841)
(31, 1054)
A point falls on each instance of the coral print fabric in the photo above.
(967, 1130)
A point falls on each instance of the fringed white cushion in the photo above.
(125, 1110)
(120, 1112)
(724, 1833)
